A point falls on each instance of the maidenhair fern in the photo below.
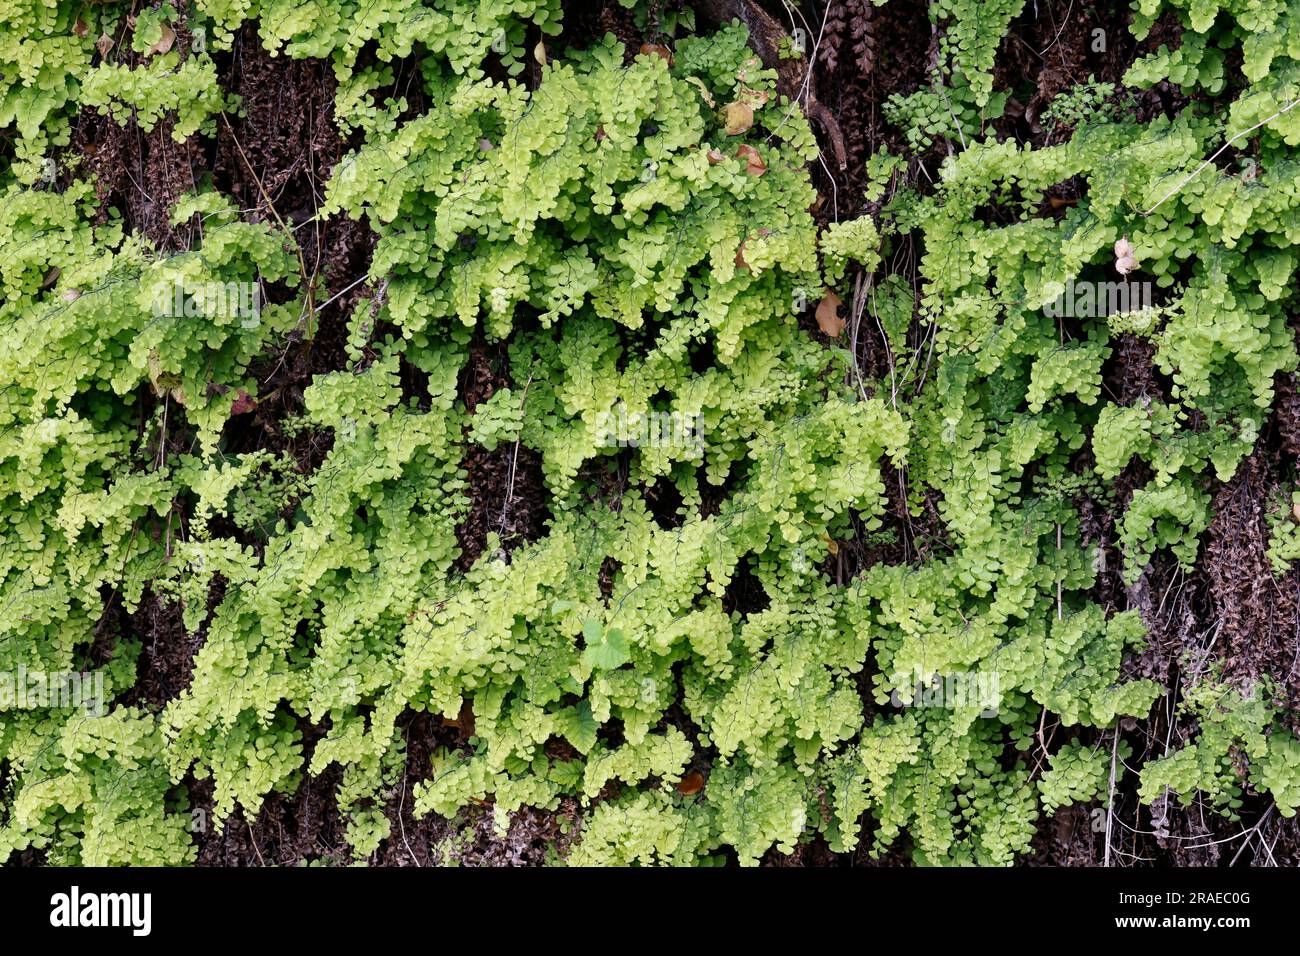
(674, 653)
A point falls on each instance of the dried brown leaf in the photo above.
(243, 403)
(740, 255)
(754, 164)
(691, 784)
(828, 315)
(165, 42)
(659, 50)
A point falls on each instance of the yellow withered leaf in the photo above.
(737, 118)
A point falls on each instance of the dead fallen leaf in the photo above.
(737, 118)
(659, 50)
(80, 28)
(691, 784)
(71, 295)
(1125, 257)
(715, 157)
(1295, 511)
(243, 403)
(740, 255)
(754, 164)
(163, 382)
(104, 44)
(165, 42)
(828, 316)
(704, 91)
(539, 53)
(51, 277)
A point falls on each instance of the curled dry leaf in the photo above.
(696, 82)
(104, 44)
(715, 157)
(600, 132)
(828, 314)
(740, 255)
(71, 295)
(539, 53)
(763, 233)
(166, 41)
(1295, 512)
(160, 380)
(1125, 257)
(691, 784)
(659, 50)
(163, 382)
(51, 277)
(243, 403)
(80, 28)
(737, 118)
(754, 164)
